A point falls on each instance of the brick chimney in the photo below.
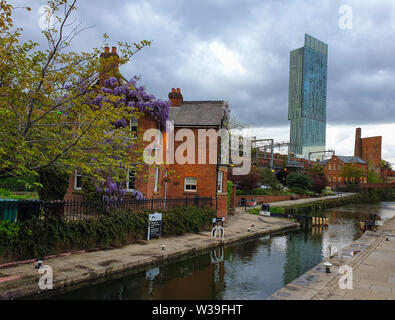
(176, 97)
(109, 64)
(358, 143)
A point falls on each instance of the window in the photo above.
(77, 180)
(133, 125)
(334, 179)
(220, 180)
(329, 167)
(131, 180)
(334, 166)
(329, 179)
(190, 184)
(156, 179)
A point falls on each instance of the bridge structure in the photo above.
(267, 149)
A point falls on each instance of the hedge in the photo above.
(38, 238)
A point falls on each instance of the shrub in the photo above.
(298, 190)
(276, 210)
(4, 193)
(229, 188)
(298, 180)
(248, 181)
(268, 178)
(254, 211)
(38, 238)
(54, 183)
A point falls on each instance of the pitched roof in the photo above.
(199, 113)
(346, 159)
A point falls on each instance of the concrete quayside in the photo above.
(370, 266)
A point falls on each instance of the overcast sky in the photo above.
(238, 51)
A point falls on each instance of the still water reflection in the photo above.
(249, 270)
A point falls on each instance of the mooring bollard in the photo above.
(328, 267)
(39, 264)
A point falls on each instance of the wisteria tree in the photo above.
(55, 111)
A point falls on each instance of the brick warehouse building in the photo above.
(333, 169)
(177, 180)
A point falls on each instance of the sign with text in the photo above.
(155, 225)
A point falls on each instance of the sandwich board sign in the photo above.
(265, 210)
(154, 225)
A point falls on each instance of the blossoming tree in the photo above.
(54, 108)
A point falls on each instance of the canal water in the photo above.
(248, 270)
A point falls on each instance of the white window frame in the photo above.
(127, 181)
(185, 184)
(220, 181)
(156, 182)
(75, 180)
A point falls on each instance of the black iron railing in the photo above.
(20, 190)
(22, 210)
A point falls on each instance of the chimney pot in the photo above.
(175, 97)
(113, 49)
(106, 49)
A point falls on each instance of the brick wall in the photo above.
(206, 174)
(261, 198)
(371, 152)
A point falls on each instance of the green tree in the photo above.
(46, 110)
(351, 173)
(54, 183)
(386, 165)
(299, 180)
(373, 177)
(317, 168)
(318, 179)
(268, 178)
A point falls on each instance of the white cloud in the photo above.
(340, 138)
(227, 57)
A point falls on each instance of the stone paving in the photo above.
(372, 259)
(83, 268)
(287, 203)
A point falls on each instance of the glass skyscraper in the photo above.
(307, 97)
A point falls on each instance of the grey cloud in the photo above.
(261, 35)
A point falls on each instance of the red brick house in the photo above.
(171, 179)
(333, 169)
(196, 179)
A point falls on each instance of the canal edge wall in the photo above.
(82, 269)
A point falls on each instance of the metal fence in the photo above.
(20, 190)
(22, 210)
